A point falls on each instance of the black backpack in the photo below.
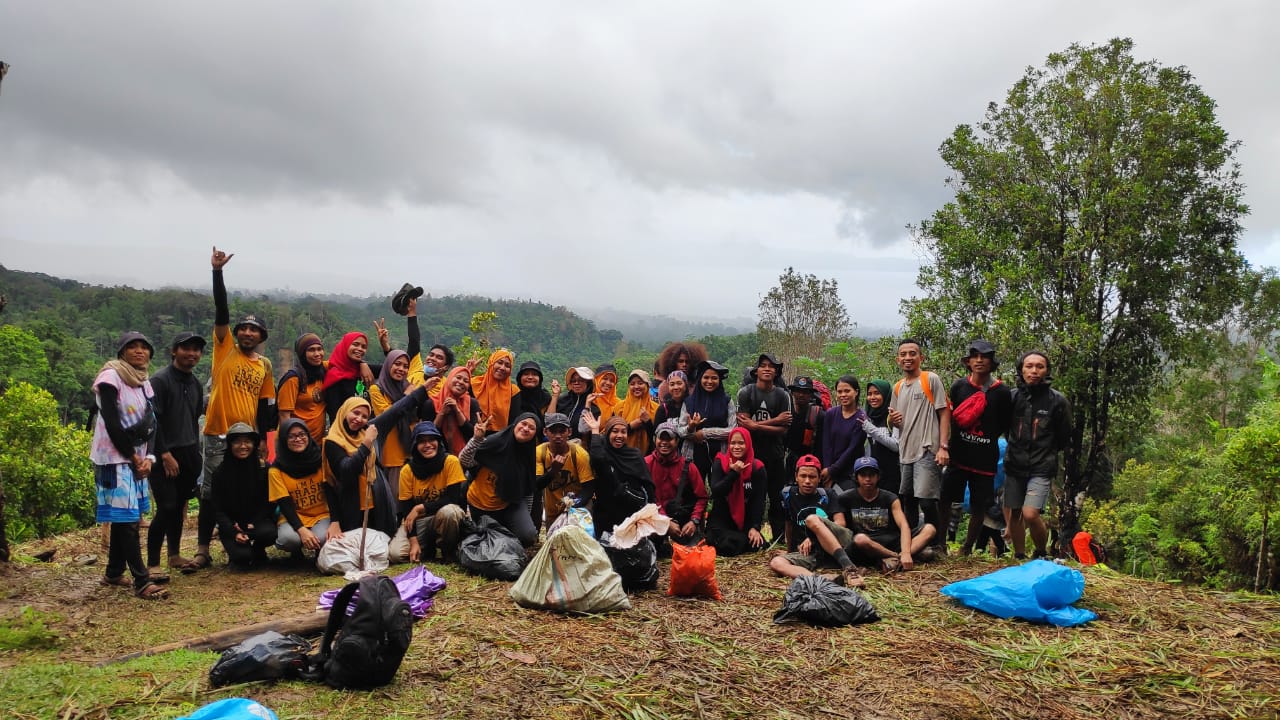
(371, 643)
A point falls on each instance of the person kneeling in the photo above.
(432, 497)
(244, 515)
(882, 533)
(826, 541)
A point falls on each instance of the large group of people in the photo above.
(420, 448)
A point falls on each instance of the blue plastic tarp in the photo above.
(1039, 591)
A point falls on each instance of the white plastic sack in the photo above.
(642, 523)
(571, 573)
(342, 556)
(573, 516)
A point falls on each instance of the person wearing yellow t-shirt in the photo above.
(562, 468)
(295, 483)
(432, 500)
(300, 392)
(242, 390)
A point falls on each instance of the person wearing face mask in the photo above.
(432, 499)
(623, 484)
(244, 514)
(707, 417)
(295, 483)
(352, 482)
(738, 488)
(242, 390)
(300, 392)
(504, 483)
(1039, 430)
(494, 389)
(122, 459)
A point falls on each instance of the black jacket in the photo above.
(179, 402)
(1041, 427)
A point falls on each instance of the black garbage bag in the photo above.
(492, 551)
(266, 656)
(637, 565)
(818, 601)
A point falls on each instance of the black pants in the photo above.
(253, 552)
(126, 550)
(775, 471)
(172, 496)
(728, 541)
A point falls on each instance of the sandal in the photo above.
(158, 576)
(181, 564)
(152, 591)
(890, 565)
(118, 581)
(199, 562)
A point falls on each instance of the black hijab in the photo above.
(296, 464)
(511, 461)
(533, 400)
(422, 467)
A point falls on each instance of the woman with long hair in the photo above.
(843, 439)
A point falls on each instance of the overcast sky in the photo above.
(669, 156)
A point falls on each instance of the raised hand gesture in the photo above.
(220, 258)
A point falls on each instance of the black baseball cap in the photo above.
(188, 338)
(801, 383)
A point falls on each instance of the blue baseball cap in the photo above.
(865, 462)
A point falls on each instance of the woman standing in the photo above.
(300, 393)
(494, 389)
(347, 369)
(738, 487)
(391, 385)
(122, 461)
(707, 416)
(576, 398)
(882, 437)
(677, 383)
(638, 410)
(843, 438)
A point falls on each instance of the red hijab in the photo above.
(738, 493)
(341, 366)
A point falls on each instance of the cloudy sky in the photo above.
(670, 156)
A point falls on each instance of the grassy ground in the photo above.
(1157, 650)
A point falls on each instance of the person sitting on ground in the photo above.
(432, 497)
(245, 516)
(122, 460)
(622, 485)
(348, 372)
(679, 489)
(352, 484)
(563, 468)
(707, 417)
(295, 483)
(494, 389)
(576, 398)
(882, 437)
(738, 487)
(815, 515)
(843, 439)
(882, 534)
(453, 410)
(300, 393)
(503, 484)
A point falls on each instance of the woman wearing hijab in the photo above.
(504, 480)
(623, 484)
(494, 389)
(576, 398)
(432, 499)
(295, 483)
(347, 369)
(122, 460)
(707, 416)
(843, 438)
(245, 516)
(391, 385)
(300, 393)
(882, 438)
(602, 402)
(352, 482)
(453, 410)
(530, 396)
(638, 409)
(737, 488)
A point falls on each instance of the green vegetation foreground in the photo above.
(1157, 650)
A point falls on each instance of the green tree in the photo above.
(801, 315)
(1095, 217)
(48, 480)
(22, 358)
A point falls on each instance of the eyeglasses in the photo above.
(296, 436)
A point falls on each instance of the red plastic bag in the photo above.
(693, 571)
